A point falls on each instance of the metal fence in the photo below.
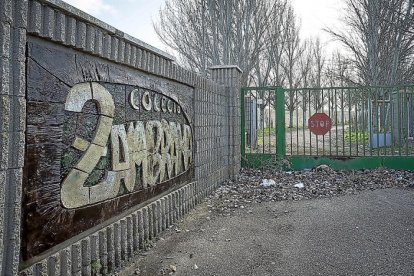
(363, 122)
(259, 119)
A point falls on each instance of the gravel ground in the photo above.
(321, 182)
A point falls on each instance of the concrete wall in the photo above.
(13, 22)
(45, 36)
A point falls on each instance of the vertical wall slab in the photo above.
(229, 75)
(13, 23)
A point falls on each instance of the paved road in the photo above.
(367, 234)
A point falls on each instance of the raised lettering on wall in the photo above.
(101, 139)
(160, 149)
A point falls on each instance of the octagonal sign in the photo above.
(319, 123)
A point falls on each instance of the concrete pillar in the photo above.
(230, 76)
(13, 25)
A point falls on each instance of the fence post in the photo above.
(230, 76)
(280, 122)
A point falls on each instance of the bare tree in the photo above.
(337, 74)
(339, 71)
(317, 77)
(290, 64)
(379, 37)
(210, 32)
(268, 69)
(261, 37)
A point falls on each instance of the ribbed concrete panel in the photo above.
(13, 25)
(216, 131)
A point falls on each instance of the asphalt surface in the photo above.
(371, 233)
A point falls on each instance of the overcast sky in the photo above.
(135, 17)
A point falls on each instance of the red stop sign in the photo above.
(319, 123)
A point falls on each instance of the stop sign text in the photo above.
(319, 123)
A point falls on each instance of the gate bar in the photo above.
(280, 122)
(242, 126)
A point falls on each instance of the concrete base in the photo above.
(108, 248)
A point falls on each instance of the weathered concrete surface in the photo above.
(367, 234)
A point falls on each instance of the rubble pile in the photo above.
(256, 186)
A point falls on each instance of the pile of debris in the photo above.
(256, 186)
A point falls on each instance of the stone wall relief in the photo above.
(157, 149)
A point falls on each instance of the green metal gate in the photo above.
(369, 127)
